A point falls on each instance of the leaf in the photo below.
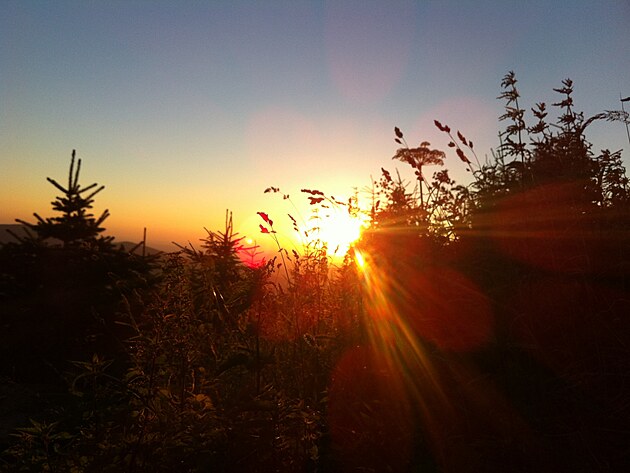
(462, 156)
(263, 229)
(398, 132)
(451, 144)
(397, 141)
(315, 200)
(439, 125)
(312, 191)
(265, 217)
(386, 175)
(461, 137)
(205, 400)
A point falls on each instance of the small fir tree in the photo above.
(61, 283)
(75, 226)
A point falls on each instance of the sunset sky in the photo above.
(185, 109)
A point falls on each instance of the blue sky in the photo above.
(184, 109)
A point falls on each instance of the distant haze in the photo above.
(17, 229)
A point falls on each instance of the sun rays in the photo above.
(396, 372)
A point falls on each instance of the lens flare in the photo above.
(360, 260)
(418, 321)
(338, 231)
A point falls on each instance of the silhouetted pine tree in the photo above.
(61, 281)
(76, 226)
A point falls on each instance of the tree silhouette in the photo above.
(60, 283)
(76, 225)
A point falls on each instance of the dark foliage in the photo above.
(60, 284)
(472, 328)
(520, 313)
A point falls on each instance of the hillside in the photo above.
(17, 229)
(5, 236)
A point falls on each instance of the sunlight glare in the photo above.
(339, 231)
(360, 260)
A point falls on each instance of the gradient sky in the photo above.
(185, 109)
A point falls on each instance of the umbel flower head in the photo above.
(420, 156)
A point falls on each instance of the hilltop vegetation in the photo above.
(471, 328)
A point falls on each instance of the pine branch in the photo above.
(71, 169)
(57, 185)
(76, 176)
(89, 197)
(85, 189)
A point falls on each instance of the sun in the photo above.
(338, 231)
